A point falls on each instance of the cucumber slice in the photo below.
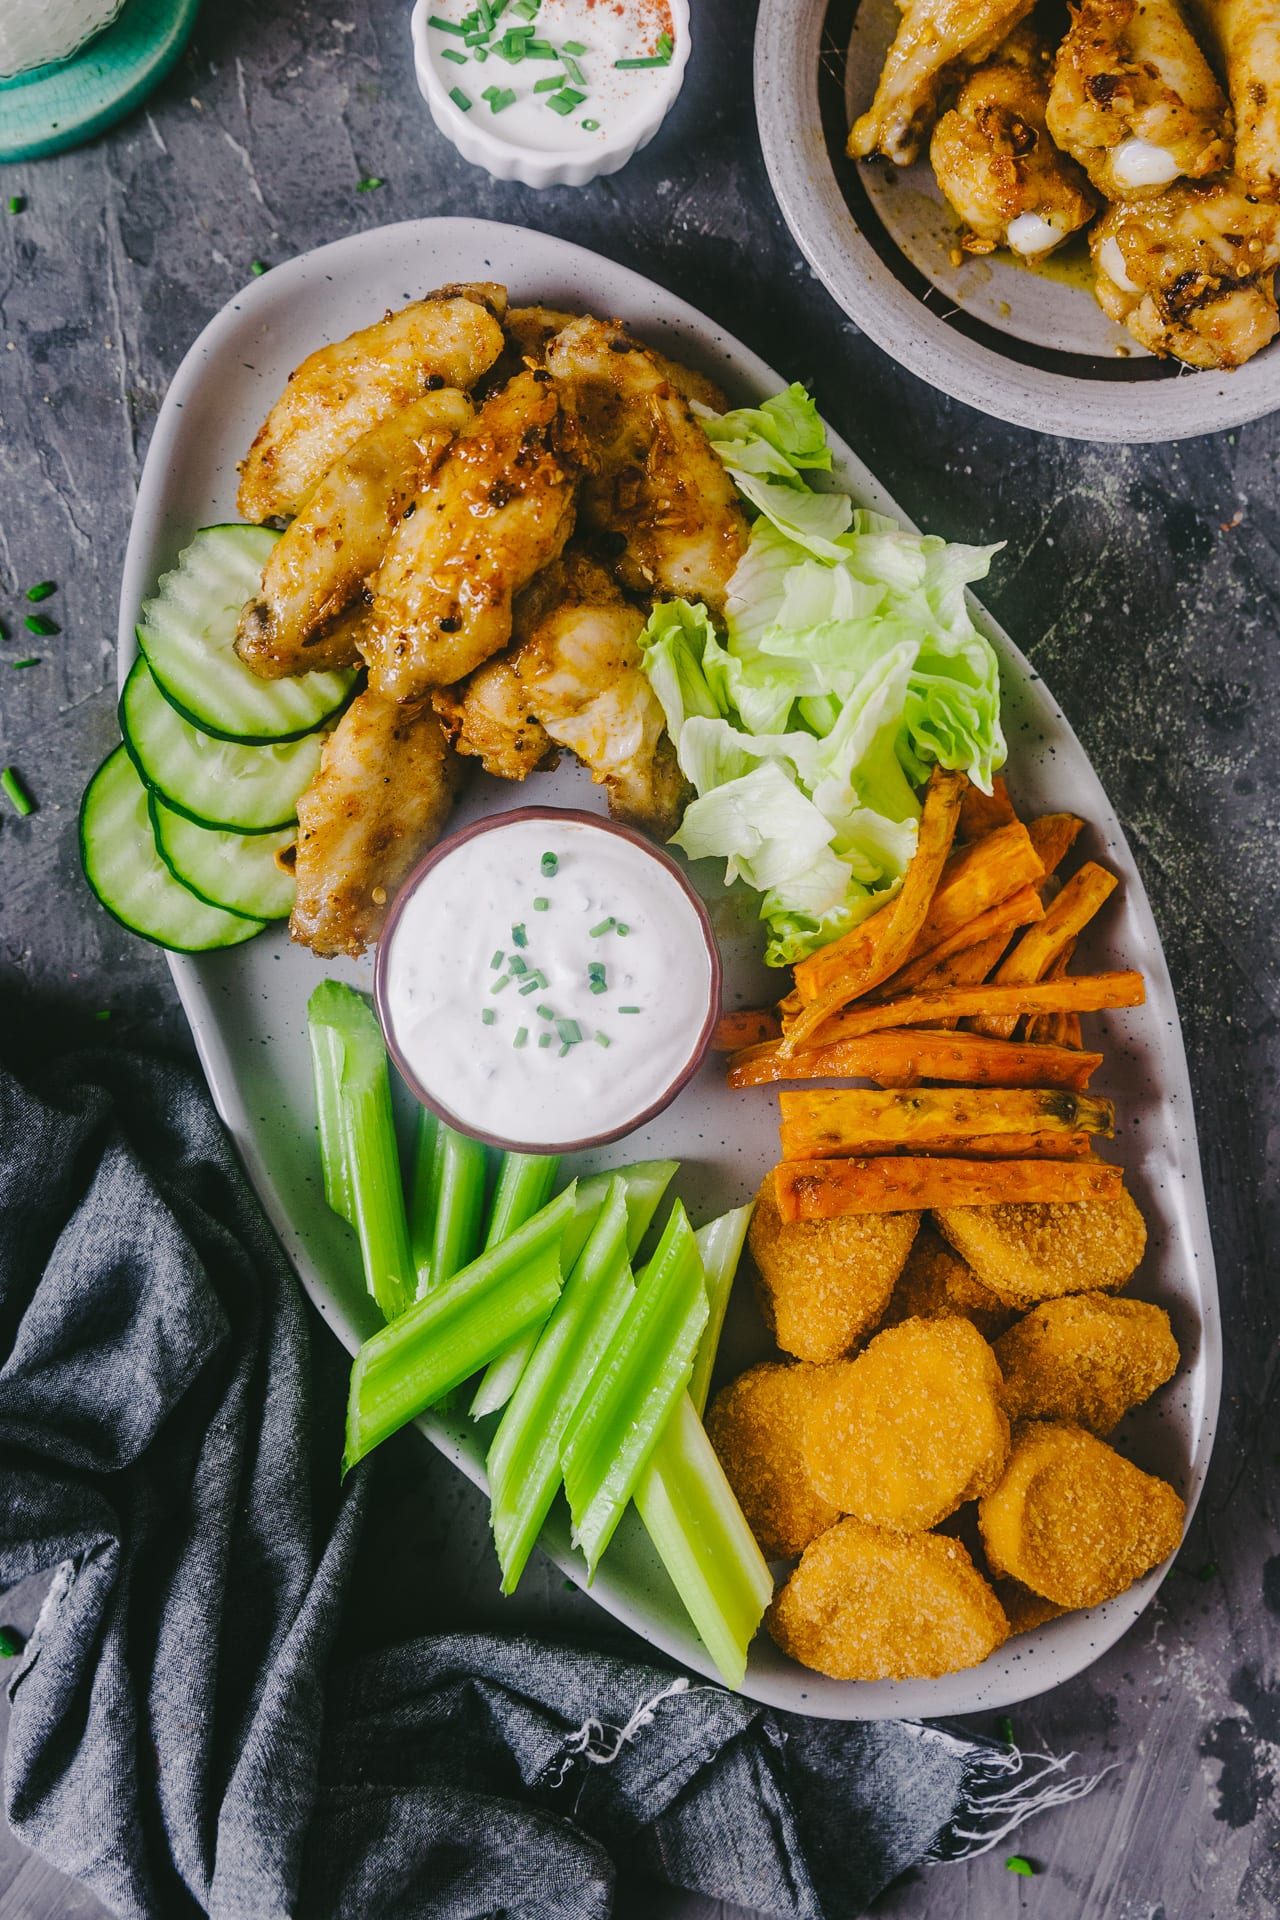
(121, 864)
(188, 634)
(237, 871)
(216, 783)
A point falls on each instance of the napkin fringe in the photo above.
(1003, 1787)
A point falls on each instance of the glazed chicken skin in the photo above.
(317, 569)
(652, 486)
(343, 391)
(934, 39)
(381, 798)
(530, 331)
(1246, 34)
(498, 509)
(996, 163)
(1135, 101)
(573, 679)
(1191, 272)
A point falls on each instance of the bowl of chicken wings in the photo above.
(1056, 213)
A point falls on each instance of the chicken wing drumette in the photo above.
(996, 163)
(1246, 34)
(935, 40)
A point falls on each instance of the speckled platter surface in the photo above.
(247, 1007)
(1029, 346)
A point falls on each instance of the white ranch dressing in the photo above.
(614, 98)
(440, 981)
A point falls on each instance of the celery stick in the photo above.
(455, 1328)
(524, 1456)
(458, 1178)
(524, 1184)
(647, 1181)
(634, 1389)
(422, 1196)
(357, 1138)
(692, 1516)
(720, 1245)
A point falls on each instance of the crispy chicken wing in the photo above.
(334, 645)
(1134, 100)
(996, 163)
(342, 391)
(1247, 36)
(935, 37)
(382, 796)
(488, 717)
(319, 566)
(653, 483)
(499, 508)
(1191, 272)
(530, 331)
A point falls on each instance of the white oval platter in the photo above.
(1018, 344)
(247, 1007)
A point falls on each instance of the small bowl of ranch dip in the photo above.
(547, 981)
(550, 92)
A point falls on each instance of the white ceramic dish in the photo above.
(247, 1007)
(483, 138)
(1026, 346)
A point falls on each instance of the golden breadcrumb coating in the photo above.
(913, 1427)
(1075, 1521)
(936, 1284)
(756, 1425)
(1085, 1359)
(825, 1283)
(1024, 1610)
(1032, 1251)
(869, 1604)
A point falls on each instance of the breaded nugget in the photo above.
(1033, 1251)
(1075, 1521)
(936, 1284)
(756, 1425)
(913, 1427)
(1024, 1610)
(1085, 1359)
(824, 1283)
(866, 1603)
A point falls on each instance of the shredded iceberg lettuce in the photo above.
(849, 666)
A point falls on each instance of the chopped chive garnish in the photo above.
(570, 1032)
(596, 976)
(527, 9)
(565, 101)
(481, 54)
(476, 39)
(1018, 1863)
(519, 937)
(445, 26)
(42, 590)
(1004, 1727)
(486, 15)
(460, 99)
(540, 50)
(41, 623)
(574, 46)
(17, 203)
(10, 1642)
(657, 60)
(370, 183)
(544, 1039)
(545, 1013)
(596, 969)
(598, 986)
(451, 53)
(503, 980)
(16, 794)
(572, 68)
(32, 660)
(522, 1036)
(628, 1009)
(503, 98)
(591, 126)
(531, 985)
(488, 1016)
(566, 1048)
(541, 904)
(601, 927)
(602, 1039)
(665, 43)
(257, 268)
(540, 977)
(518, 966)
(623, 929)
(550, 85)
(550, 865)
(497, 960)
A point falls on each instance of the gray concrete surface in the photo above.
(1142, 582)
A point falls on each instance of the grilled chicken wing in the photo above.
(530, 331)
(499, 508)
(1134, 100)
(995, 162)
(653, 483)
(1247, 36)
(935, 37)
(340, 392)
(332, 646)
(319, 566)
(381, 798)
(573, 679)
(1191, 271)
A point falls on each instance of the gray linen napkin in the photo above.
(183, 1740)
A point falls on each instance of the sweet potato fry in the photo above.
(981, 813)
(1075, 993)
(1039, 948)
(746, 1027)
(826, 1189)
(990, 930)
(1052, 1027)
(908, 1055)
(863, 958)
(1017, 1146)
(1053, 835)
(976, 877)
(820, 1123)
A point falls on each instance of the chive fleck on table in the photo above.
(1142, 582)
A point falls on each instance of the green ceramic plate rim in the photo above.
(56, 107)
